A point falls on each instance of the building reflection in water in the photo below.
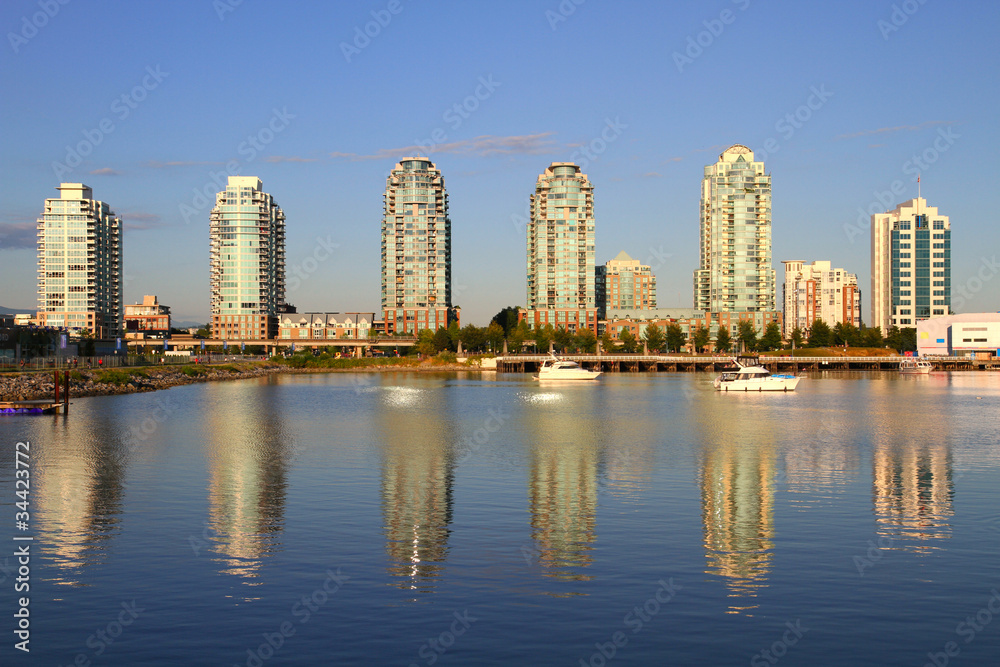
(912, 485)
(737, 495)
(77, 494)
(418, 468)
(563, 479)
(248, 452)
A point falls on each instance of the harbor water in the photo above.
(467, 519)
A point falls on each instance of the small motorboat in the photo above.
(915, 366)
(749, 376)
(555, 368)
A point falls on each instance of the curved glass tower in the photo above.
(247, 259)
(416, 249)
(561, 289)
(735, 273)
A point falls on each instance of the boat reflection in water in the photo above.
(562, 479)
(418, 470)
(738, 467)
(248, 450)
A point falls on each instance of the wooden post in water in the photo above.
(66, 392)
(56, 380)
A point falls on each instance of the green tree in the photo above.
(629, 343)
(543, 336)
(563, 339)
(675, 337)
(585, 340)
(820, 334)
(871, 337)
(747, 334)
(472, 337)
(700, 338)
(507, 319)
(909, 339)
(454, 335)
(771, 340)
(608, 342)
(654, 337)
(797, 338)
(204, 332)
(521, 333)
(442, 341)
(845, 333)
(723, 341)
(494, 336)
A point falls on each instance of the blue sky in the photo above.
(670, 85)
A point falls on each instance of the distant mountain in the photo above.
(15, 311)
(186, 324)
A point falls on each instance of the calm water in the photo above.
(449, 519)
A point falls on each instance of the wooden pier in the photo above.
(649, 363)
(41, 406)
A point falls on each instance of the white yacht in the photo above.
(751, 377)
(555, 368)
(915, 366)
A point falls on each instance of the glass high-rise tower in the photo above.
(735, 273)
(416, 249)
(80, 263)
(561, 287)
(247, 261)
(911, 265)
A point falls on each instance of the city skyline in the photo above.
(642, 110)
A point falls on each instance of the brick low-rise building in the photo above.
(326, 326)
(149, 319)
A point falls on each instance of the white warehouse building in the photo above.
(960, 335)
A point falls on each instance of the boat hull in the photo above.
(568, 375)
(770, 383)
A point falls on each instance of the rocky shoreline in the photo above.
(113, 381)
